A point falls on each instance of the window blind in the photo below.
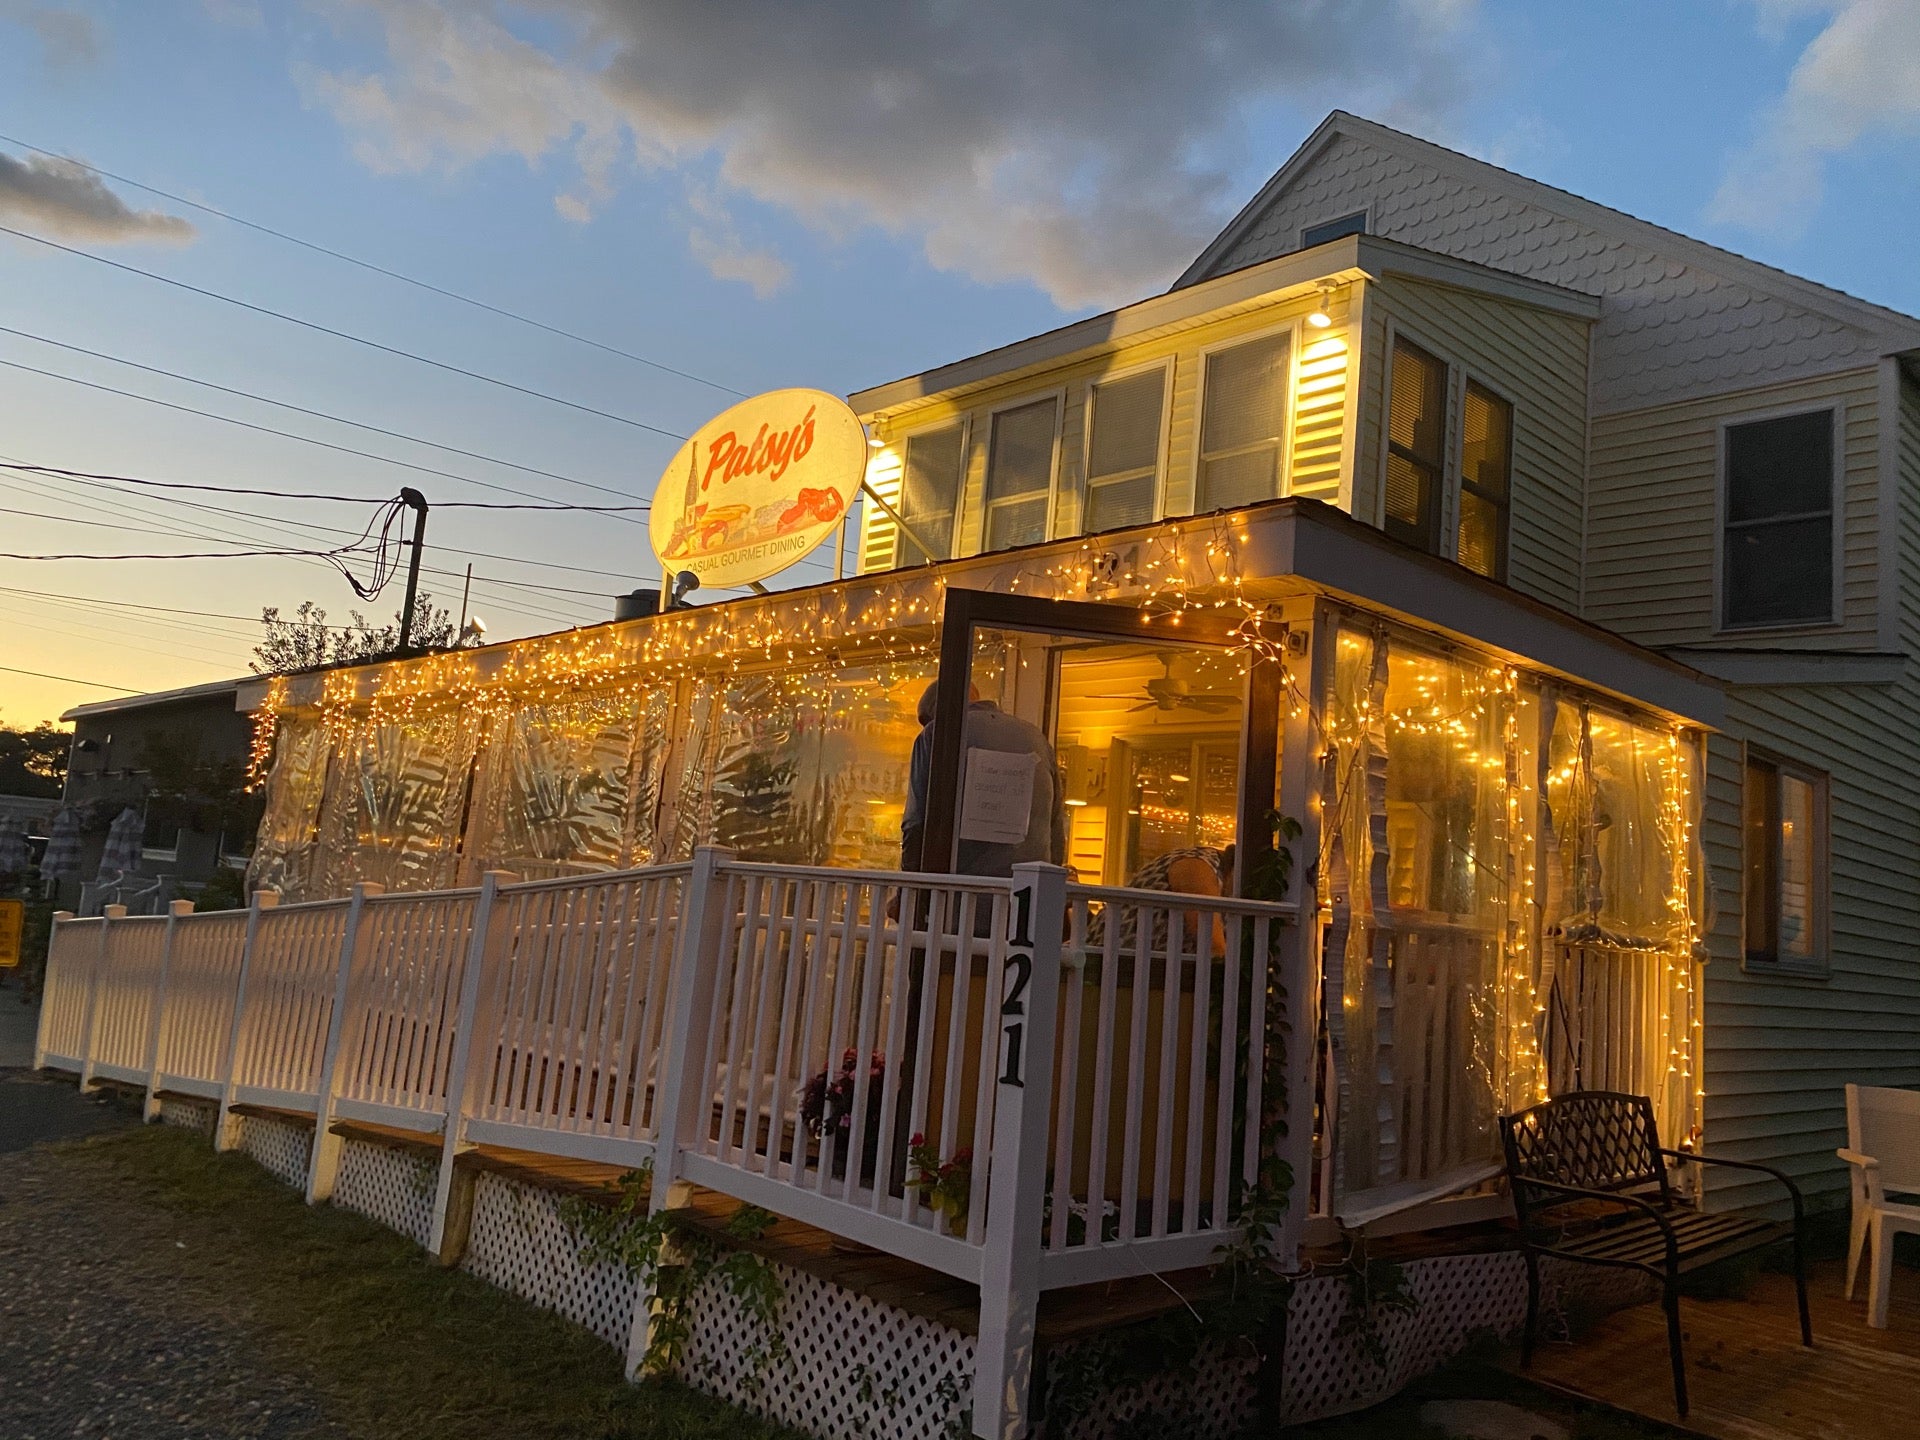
(929, 489)
(1416, 445)
(1123, 450)
(1486, 468)
(1020, 473)
(1245, 415)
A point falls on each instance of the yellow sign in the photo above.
(13, 915)
(758, 486)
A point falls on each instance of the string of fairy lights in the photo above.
(885, 628)
(1489, 721)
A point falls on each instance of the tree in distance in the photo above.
(305, 640)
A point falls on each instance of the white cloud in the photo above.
(60, 198)
(1858, 78)
(1085, 145)
(69, 37)
(716, 244)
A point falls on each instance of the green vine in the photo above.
(1373, 1287)
(672, 1255)
(1244, 1309)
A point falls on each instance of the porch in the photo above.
(1749, 1376)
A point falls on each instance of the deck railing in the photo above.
(1088, 1061)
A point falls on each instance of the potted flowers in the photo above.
(826, 1110)
(946, 1185)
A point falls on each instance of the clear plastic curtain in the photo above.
(397, 792)
(802, 769)
(286, 854)
(573, 787)
(1429, 870)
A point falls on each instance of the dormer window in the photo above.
(929, 491)
(1123, 450)
(1416, 446)
(1020, 459)
(1486, 467)
(1243, 424)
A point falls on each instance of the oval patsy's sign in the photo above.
(758, 486)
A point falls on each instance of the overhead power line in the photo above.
(319, 415)
(285, 434)
(61, 472)
(67, 679)
(141, 605)
(404, 279)
(346, 335)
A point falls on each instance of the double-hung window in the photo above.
(1243, 424)
(1123, 450)
(1416, 446)
(1020, 457)
(929, 490)
(1784, 859)
(1777, 536)
(1486, 468)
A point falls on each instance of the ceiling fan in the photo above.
(1165, 692)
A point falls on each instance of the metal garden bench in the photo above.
(1590, 1185)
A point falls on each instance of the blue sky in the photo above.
(797, 196)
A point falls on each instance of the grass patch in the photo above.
(398, 1346)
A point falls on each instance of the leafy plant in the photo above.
(946, 1184)
(673, 1257)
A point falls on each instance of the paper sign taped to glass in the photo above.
(996, 798)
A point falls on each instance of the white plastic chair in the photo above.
(1883, 1149)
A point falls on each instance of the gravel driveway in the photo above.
(98, 1334)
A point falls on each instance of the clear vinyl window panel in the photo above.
(931, 473)
(403, 790)
(1777, 565)
(286, 853)
(801, 769)
(1243, 424)
(1123, 450)
(1020, 456)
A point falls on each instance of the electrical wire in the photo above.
(295, 435)
(233, 219)
(61, 472)
(139, 605)
(308, 410)
(512, 604)
(347, 335)
(68, 679)
(385, 516)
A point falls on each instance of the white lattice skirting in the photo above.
(519, 1244)
(283, 1147)
(1331, 1368)
(188, 1115)
(386, 1184)
(853, 1367)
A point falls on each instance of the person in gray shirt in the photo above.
(988, 728)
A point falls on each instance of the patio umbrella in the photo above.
(122, 852)
(62, 857)
(13, 852)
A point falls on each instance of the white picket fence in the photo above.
(1099, 1053)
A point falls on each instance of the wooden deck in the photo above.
(1749, 1376)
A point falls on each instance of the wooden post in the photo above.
(90, 1027)
(323, 1164)
(60, 917)
(1017, 1177)
(225, 1131)
(1298, 953)
(176, 909)
(453, 1203)
(681, 1092)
